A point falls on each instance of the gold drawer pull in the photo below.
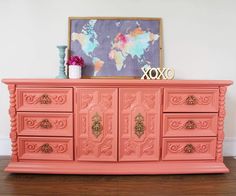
(96, 125)
(190, 124)
(46, 148)
(45, 124)
(189, 148)
(139, 125)
(45, 99)
(191, 100)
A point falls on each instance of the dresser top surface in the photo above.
(116, 82)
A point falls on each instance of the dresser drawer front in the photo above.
(44, 99)
(189, 148)
(189, 124)
(45, 148)
(191, 100)
(45, 124)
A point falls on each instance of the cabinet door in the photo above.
(139, 124)
(96, 124)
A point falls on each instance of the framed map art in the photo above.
(115, 47)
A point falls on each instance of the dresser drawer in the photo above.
(189, 124)
(45, 148)
(44, 99)
(45, 124)
(190, 100)
(200, 148)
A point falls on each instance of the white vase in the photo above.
(74, 71)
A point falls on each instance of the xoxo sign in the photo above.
(158, 73)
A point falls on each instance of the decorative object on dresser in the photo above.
(116, 46)
(75, 64)
(158, 73)
(62, 55)
(116, 126)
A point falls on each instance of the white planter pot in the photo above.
(74, 71)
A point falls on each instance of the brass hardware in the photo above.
(191, 100)
(97, 126)
(189, 148)
(45, 99)
(46, 148)
(190, 124)
(45, 124)
(139, 126)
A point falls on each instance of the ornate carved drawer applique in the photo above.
(45, 124)
(198, 148)
(191, 100)
(189, 124)
(45, 148)
(44, 99)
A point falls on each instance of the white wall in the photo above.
(199, 42)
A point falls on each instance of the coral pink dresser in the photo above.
(116, 126)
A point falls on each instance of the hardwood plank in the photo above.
(197, 184)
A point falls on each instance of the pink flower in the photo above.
(75, 60)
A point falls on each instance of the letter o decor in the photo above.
(158, 73)
(151, 75)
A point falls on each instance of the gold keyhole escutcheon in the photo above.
(190, 124)
(139, 125)
(45, 99)
(46, 148)
(191, 100)
(189, 148)
(96, 125)
(45, 124)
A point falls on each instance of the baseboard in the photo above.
(229, 146)
(5, 146)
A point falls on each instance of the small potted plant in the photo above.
(75, 64)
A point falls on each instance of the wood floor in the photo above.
(27, 184)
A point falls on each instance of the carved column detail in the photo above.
(219, 156)
(12, 113)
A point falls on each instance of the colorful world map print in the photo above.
(115, 47)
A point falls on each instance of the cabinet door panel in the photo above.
(96, 124)
(139, 124)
